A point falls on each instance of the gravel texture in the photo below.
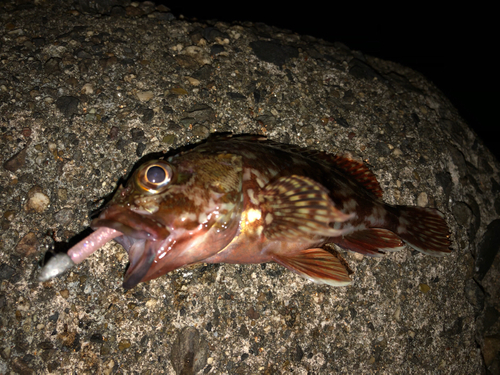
(87, 89)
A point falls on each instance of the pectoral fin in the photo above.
(296, 206)
(317, 265)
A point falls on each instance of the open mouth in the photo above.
(131, 224)
(139, 233)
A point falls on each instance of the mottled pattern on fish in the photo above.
(245, 199)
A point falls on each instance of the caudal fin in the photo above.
(424, 229)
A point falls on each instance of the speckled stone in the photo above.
(152, 83)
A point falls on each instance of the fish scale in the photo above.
(246, 199)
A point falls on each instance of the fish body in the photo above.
(245, 199)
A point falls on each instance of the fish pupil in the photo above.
(156, 175)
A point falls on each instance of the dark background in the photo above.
(453, 47)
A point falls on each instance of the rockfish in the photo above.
(246, 199)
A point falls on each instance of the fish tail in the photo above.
(424, 229)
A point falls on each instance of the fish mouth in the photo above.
(141, 236)
(140, 226)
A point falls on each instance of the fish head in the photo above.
(175, 212)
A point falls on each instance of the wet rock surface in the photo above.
(87, 88)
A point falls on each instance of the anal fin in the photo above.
(372, 242)
(317, 265)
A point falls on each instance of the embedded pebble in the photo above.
(491, 348)
(124, 344)
(64, 216)
(64, 293)
(68, 105)
(37, 200)
(424, 288)
(28, 245)
(88, 88)
(144, 96)
(6, 271)
(169, 139)
(189, 352)
(422, 200)
(488, 249)
(200, 131)
(17, 161)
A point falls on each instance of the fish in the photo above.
(247, 200)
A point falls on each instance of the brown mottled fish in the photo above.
(245, 199)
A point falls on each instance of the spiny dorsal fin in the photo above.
(355, 169)
(296, 206)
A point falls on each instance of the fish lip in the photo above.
(137, 224)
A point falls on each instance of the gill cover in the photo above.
(197, 199)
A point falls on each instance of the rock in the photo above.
(6, 271)
(474, 295)
(200, 131)
(405, 312)
(28, 245)
(64, 216)
(491, 348)
(145, 96)
(37, 200)
(488, 249)
(88, 88)
(273, 52)
(189, 352)
(202, 113)
(68, 105)
(16, 162)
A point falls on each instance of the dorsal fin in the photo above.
(356, 170)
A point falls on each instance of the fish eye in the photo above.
(154, 176)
